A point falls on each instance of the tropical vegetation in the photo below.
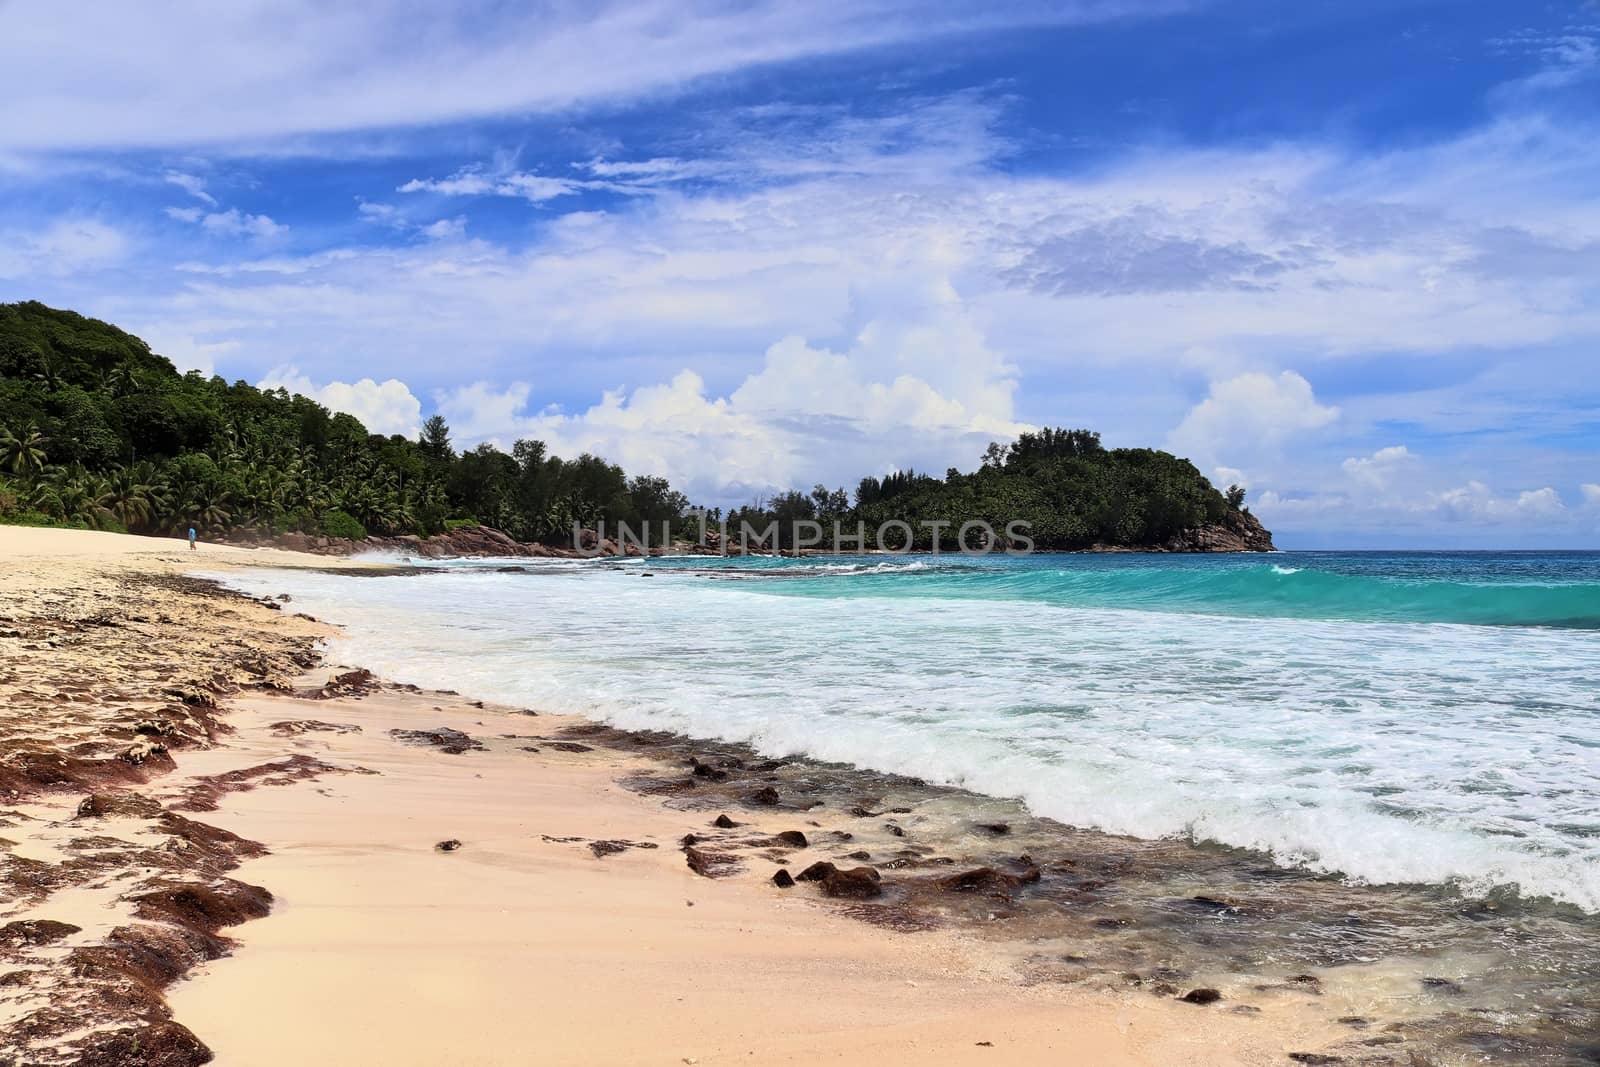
(98, 431)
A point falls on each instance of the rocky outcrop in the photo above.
(1239, 531)
(463, 541)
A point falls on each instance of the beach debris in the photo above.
(207, 792)
(294, 727)
(449, 845)
(783, 879)
(356, 683)
(445, 739)
(602, 849)
(791, 839)
(856, 883)
(867, 813)
(209, 908)
(1201, 996)
(131, 805)
(568, 746)
(36, 932)
(140, 751)
(709, 864)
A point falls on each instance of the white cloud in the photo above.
(1377, 470)
(184, 214)
(64, 247)
(927, 394)
(1249, 412)
(1226, 476)
(446, 229)
(235, 223)
(191, 184)
(386, 407)
(1591, 495)
(254, 70)
(1475, 502)
(187, 353)
(533, 188)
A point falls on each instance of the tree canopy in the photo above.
(97, 430)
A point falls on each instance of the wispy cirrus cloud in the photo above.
(255, 70)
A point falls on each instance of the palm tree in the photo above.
(129, 497)
(23, 453)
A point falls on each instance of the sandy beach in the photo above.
(214, 843)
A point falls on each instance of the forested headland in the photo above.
(98, 431)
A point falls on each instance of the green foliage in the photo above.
(98, 431)
(338, 523)
(456, 524)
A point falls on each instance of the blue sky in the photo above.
(1346, 254)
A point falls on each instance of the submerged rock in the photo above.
(857, 882)
(987, 880)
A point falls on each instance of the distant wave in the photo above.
(1273, 591)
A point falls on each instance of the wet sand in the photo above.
(269, 888)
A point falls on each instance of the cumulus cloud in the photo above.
(1475, 501)
(1591, 494)
(386, 407)
(236, 223)
(924, 394)
(1377, 470)
(1251, 411)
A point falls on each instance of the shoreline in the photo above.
(377, 945)
(285, 813)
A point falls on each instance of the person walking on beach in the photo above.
(191, 539)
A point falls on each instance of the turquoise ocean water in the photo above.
(1389, 717)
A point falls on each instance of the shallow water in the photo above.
(1429, 722)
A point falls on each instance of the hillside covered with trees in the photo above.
(98, 431)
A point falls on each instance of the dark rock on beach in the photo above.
(783, 879)
(988, 880)
(791, 839)
(855, 883)
(448, 846)
(1201, 996)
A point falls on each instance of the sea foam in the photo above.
(1384, 751)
